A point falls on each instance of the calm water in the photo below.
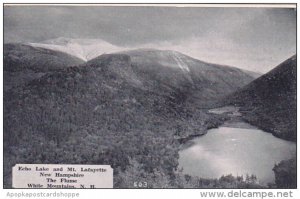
(237, 151)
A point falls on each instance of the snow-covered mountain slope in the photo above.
(85, 49)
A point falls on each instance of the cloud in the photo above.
(226, 52)
(253, 38)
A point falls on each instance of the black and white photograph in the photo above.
(150, 96)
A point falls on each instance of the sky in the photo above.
(255, 39)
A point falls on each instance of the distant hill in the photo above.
(23, 63)
(269, 102)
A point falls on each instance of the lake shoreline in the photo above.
(235, 121)
(230, 150)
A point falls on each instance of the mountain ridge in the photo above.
(88, 49)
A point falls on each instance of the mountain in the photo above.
(88, 49)
(269, 102)
(158, 82)
(23, 63)
(115, 108)
(167, 71)
(85, 49)
(131, 90)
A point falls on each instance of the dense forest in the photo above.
(113, 111)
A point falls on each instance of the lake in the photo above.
(237, 149)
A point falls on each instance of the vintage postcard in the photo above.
(150, 96)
